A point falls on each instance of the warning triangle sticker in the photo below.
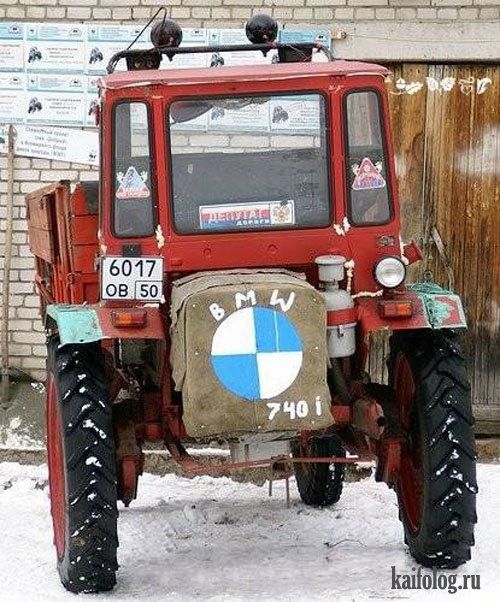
(132, 186)
(368, 175)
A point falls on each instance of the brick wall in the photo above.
(232, 13)
(428, 24)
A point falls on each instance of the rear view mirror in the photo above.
(186, 111)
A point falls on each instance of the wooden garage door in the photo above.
(446, 129)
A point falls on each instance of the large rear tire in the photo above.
(319, 484)
(82, 470)
(436, 487)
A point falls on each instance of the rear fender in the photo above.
(433, 307)
(80, 324)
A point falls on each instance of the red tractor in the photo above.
(221, 280)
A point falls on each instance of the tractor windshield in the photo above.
(252, 163)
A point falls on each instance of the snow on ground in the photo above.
(214, 539)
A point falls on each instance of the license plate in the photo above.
(137, 278)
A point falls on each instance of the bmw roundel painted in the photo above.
(256, 353)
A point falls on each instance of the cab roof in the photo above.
(179, 76)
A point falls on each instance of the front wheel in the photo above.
(436, 487)
(82, 471)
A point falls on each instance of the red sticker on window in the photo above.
(132, 185)
(368, 175)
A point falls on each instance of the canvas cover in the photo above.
(249, 353)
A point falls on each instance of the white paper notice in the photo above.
(55, 47)
(11, 46)
(320, 36)
(12, 97)
(190, 37)
(105, 40)
(61, 144)
(235, 37)
(56, 99)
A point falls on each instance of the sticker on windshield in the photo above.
(247, 215)
(283, 213)
(368, 175)
(132, 184)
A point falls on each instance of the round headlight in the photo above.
(390, 272)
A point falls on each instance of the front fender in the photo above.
(433, 307)
(79, 324)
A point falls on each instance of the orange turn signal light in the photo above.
(130, 318)
(395, 309)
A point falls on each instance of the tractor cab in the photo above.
(250, 166)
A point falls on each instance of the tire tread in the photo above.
(443, 394)
(89, 562)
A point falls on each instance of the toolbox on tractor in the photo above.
(222, 280)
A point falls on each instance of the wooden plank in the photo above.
(39, 210)
(41, 243)
(47, 190)
(487, 427)
(408, 127)
(487, 150)
(462, 199)
(64, 268)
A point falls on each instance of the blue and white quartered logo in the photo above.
(256, 353)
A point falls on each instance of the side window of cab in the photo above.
(369, 199)
(133, 194)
